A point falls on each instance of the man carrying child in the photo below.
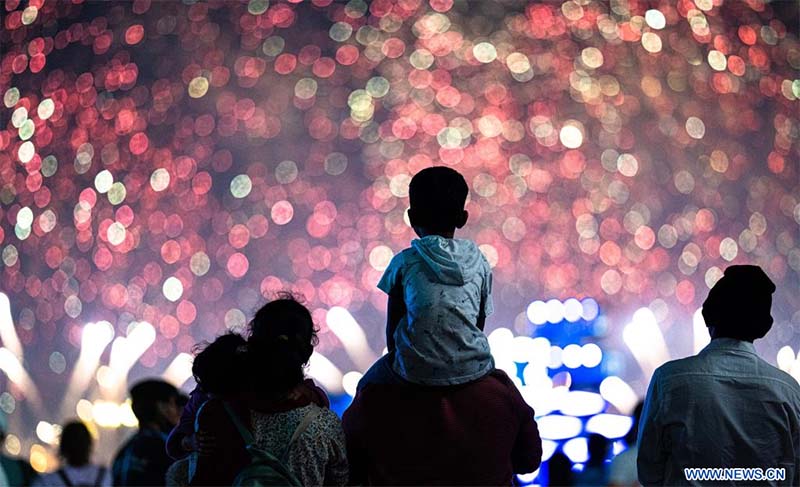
(434, 410)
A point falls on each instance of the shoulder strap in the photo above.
(310, 416)
(101, 472)
(61, 473)
(245, 433)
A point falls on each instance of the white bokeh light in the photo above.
(172, 289)
(537, 312)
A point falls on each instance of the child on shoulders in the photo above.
(439, 292)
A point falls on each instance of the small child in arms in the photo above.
(439, 293)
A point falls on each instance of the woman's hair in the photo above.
(75, 445)
(218, 368)
(282, 338)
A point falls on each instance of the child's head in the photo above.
(218, 368)
(282, 339)
(437, 196)
(155, 404)
(75, 446)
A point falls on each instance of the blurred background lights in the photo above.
(655, 19)
(47, 432)
(577, 450)
(40, 460)
(241, 186)
(179, 370)
(572, 310)
(572, 356)
(172, 289)
(103, 181)
(501, 341)
(700, 331)
(555, 357)
(591, 355)
(558, 427)
(350, 382)
(352, 336)
(554, 310)
(609, 425)
(325, 373)
(198, 87)
(590, 309)
(617, 392)
(159, 180)
(45, 109)
(548, 448)
(645, 340)
(484, 52)
(96, 336)
(695, 128)
(571, 135)
(151, 197)
(582, 403)
(786, 358)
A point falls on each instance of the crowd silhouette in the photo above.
(434, 410)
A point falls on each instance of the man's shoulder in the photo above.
(699, 365)
(777, 375)
(679, 366)
(495, 382)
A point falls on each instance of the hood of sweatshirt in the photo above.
(453, 261)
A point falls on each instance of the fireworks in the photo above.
(173, 164)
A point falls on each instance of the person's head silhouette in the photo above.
(559, 470)
(75, 446)
(738, 306)
(598, 446)
(437, 196)
(155, 404)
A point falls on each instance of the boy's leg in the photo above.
(381, 372)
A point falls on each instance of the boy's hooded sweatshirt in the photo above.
(446, 284)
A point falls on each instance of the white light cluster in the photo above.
(559, 427)
(554, 311)
(789, 362)
(609, 425)
(645, 340)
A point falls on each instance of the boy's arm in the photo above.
(482, 315)
(486, 307)
(395, 310)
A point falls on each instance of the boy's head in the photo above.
(437, 196)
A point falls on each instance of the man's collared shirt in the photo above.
(724, 407)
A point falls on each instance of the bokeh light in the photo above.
(178, 163)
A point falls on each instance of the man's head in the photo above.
(738, 306)
(437, 195)
(75, 446)
(155, 404)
